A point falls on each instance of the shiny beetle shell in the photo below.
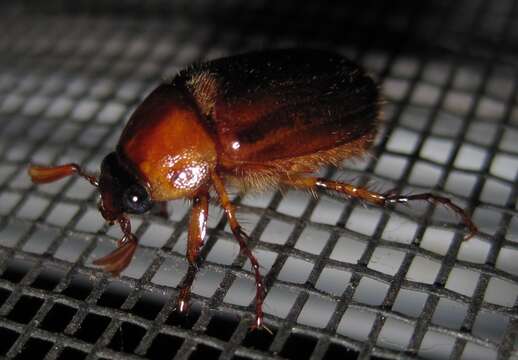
(255, 117)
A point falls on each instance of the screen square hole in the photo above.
(92, 327)
(316, 312)
(114, 295)
(333, 281)
(295, 270)
(127, 337)
(370, 291)
(298, 347)
(79, 288)
(8, 339)
(149, 305)
(34, 349)
(312, 240)
(25, 309)
(47, 279)
(164, 346)
(185, 320)
(259, 340)
(58, 318)
(16, 270)
(222, 326)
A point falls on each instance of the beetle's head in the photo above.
(120, 190)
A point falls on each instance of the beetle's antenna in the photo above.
(44, 174)
(119, 259)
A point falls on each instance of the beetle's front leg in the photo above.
(116, 261)
(242, 239)
(197, 231)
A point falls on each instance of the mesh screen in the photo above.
(344, 280)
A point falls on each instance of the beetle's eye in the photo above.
(135, 200)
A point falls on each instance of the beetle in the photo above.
(258, 120)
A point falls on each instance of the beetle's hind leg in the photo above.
(242, 239)
(380, 199)
(197, 231)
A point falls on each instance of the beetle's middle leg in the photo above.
(380, 199)
(197, 231)
(242, 239)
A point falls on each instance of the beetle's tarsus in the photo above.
(260, 293)
(184, 297)
(261, 326)
(393, 198)
(184, 300)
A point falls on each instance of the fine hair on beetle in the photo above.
(259, 120)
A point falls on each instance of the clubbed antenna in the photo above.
(44, 174)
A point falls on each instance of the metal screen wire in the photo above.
(344, 280)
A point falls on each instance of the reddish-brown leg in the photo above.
(197, 231)
(116, 261)
(242, 239)
(385, 199)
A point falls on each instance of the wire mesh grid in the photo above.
(344, 281)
